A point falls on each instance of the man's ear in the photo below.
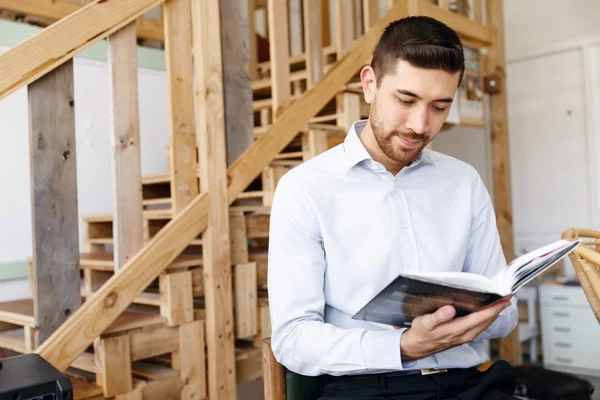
(369, 83)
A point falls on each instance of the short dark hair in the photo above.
(423, 42)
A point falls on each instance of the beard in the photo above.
(385, 139)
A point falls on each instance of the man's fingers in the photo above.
(443, 314)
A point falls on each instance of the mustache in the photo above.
(414, 137)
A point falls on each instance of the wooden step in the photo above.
(105, 261)
(83, 389)
(20, 312)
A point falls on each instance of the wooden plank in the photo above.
(98, 312)
(53, 9)
(463, 26)
(153, 341)
(295, 27)
(178, 304)
(246, 295)
(370, 12)
(192, 360)
(182, 136)
(279, 52)
(54, 199)
(274, 375)
(125, 131)
(414, 7)
(344, 23)
(113, 359)
(477, 11)
(166, 389)
(510, 350)
(348, 109)
(314, 142)
(237, 83)
(213, 175)
(249, 366)
(17, 312)
(238, 237)
(36, 56)
(313, 41)
(128, 320)
(152, 371)
(253, 63)
(325, 23)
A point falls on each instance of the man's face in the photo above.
(408, 108)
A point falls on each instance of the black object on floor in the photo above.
(31, 377)
(535, 382)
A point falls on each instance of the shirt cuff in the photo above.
(381, 349)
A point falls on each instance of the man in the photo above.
(347, 222)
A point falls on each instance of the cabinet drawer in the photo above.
(572, 296)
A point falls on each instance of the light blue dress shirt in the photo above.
(342, 227)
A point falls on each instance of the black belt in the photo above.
(345, 378)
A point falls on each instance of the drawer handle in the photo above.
(563, 344)
(563, 359)
(561, 314)
(559, 329)
(560, 298)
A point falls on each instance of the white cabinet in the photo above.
(570, 331)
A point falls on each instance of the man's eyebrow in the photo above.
(411, 94)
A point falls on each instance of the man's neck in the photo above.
(367, 138)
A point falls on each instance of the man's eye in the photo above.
(440, 109)
(405, 101)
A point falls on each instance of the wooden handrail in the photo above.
(62, 40)
(52, 9)
(102, 308)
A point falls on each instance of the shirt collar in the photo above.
(355, 151)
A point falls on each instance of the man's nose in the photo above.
(417, 122)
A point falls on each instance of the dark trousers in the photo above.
(497, 383)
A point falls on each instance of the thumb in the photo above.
(443, 314)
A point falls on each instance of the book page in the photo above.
(466, 280)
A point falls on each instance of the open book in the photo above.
(417, 293)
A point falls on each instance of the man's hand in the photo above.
(432, 333)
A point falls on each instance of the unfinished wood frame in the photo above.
(213, 177)
(58, 9)
(54, 199)
(125, 132)
(182, 134)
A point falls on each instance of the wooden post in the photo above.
(128, 223)
(54, 199)
(273, 372)
(279, 50)
(348, 109)
(239, 117)
(113, 360)
(253, 63)
(246, 300)
(213, 176)
(370, 13)
(182, 149)
(313, 41)
(510, 349)
(344, 22)
(192, 360)
(325, 23)
(295, 27)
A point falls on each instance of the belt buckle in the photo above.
(432, 371)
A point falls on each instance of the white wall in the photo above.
(531, 24)
(93, 149)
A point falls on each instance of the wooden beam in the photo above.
(192, 362)
(126, 163)
(60, 41)
(344, 22)
(510, 349)
(246, 300)
(113, 360)
(218, 292)
(313, 41)
(325, 23)
(58, 9)
(239, 116)
(54, 199)
(182, 148)
(253, 63)
(464, 27)
(279, 51)
(274, 373)
(370, 12)
(103, 308)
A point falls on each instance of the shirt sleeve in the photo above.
(300, 338)
(485, 256)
